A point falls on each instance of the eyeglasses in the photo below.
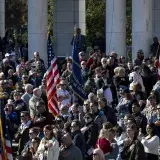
(73, 126)
(95, 154)
(86, 117)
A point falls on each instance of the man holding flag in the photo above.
(76, 78)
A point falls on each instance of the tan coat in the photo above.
(32, 105)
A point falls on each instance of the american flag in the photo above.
(53, 80)
(50, 50)
(5, 143)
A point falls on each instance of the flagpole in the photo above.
(1, 132)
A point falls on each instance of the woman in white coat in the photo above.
(49, 146)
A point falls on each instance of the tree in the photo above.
(16, 14)
(50, 15)
(129, 22)
(95, 18)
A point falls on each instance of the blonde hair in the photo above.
(117, 70)
(103, 133)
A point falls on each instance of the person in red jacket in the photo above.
(103, 143)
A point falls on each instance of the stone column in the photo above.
(67, 14)
(37, 28)
(141, 26)
(156, 18)
(2, 18)
(116, 26)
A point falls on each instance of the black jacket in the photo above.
(135, 151)
(141, 121)
(110, 115)
(79, 141)
(91, 135)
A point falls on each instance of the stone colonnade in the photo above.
(67, 13)
(116, 26)
(2, 18)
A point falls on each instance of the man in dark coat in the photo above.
(141, 120)
(100, 42)
(77, 136)
(155, 47)
(22, 135)
(42, 117)
(79, 41)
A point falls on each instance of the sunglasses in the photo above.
(31, 133)
(86, 117)
(73, 126)
(22, 116)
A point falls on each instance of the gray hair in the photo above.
(28, 87)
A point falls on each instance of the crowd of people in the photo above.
(120, 120)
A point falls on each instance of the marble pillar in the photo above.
(156, 18)
(67, 14)
(116, 26)
(2, 18)
(141, 26)
(37, 28)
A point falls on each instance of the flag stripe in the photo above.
(53, 79)
(5, 143)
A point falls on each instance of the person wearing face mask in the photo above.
(84, 71)
(90, 132)
(120, 78)
(63, 94)
(137, 78)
